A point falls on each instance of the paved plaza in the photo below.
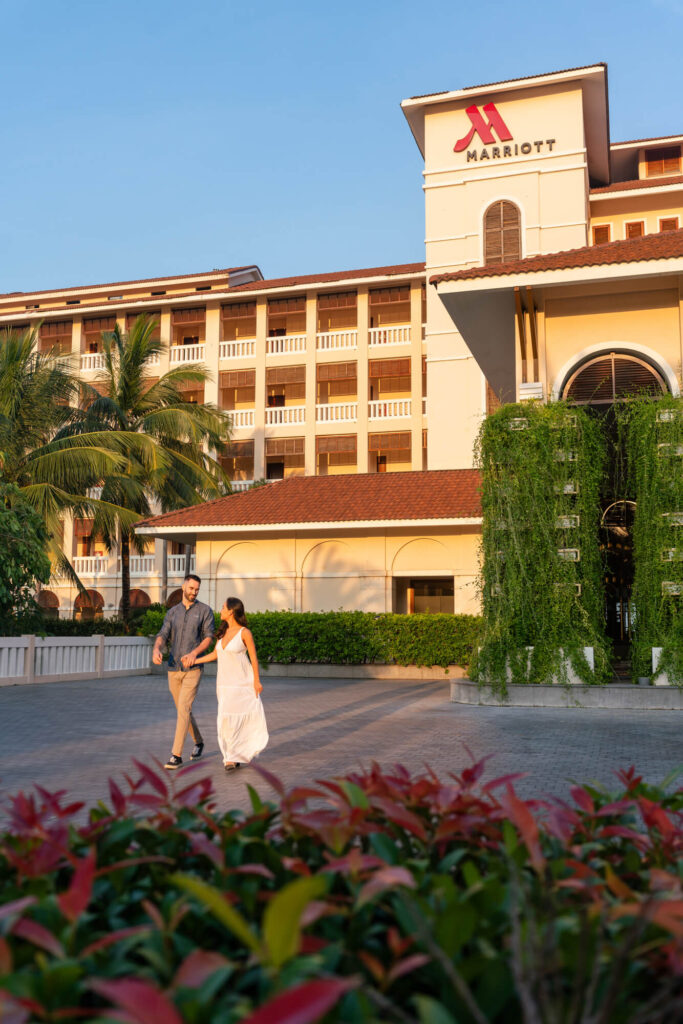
(74, 735)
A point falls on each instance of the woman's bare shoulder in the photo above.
(246, 632)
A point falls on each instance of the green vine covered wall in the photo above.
(542, 576)
(653, 436)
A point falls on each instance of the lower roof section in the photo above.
(442, 497)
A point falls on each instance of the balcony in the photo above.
(336, 412)
(91, 565)
(187, 353)
(240, 485)
(390, 409)
(384, 336)
(242, 419)
(285, 415)
(140, 565)
(176, 564)
(92, 361)
(244, 349)
(329, 341)
(286, 344)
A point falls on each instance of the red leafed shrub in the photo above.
(380, 896)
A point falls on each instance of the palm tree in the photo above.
(178, 466)
(39, 450)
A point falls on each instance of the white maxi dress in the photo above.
(242, 731)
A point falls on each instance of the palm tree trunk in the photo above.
(188, 559)
(125, 576)
(164, 571)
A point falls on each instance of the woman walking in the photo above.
(242, 731)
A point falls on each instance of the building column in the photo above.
(211, 345)
(260, 389)
(311, 383)
(363, 370)
(416, 375)
(165, 334)
(76, 342)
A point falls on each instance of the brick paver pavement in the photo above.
(74, 735)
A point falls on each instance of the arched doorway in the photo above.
(88, 606)
(601, 381)
(139, 600)
(48, 602)
(174, 598)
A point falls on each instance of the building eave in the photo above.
(319, 527)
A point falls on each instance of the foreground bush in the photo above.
(375, 897)
(356, 638)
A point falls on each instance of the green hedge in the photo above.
(355, 638)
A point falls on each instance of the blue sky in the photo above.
(147, 138)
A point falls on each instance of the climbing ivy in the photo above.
(542, 574)
(653, 435)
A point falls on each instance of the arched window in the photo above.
(612, 377)
(502, 233)
(88, 605)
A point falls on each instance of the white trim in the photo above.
(448, 359)
(503, 174)
(456, 169)
(642, 143)
(616, 346)
(529, 227)
(356, 524)
(632, 193)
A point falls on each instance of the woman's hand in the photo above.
(258, 687)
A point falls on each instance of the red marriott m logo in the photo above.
(483, 128)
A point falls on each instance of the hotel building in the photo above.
(553, 268)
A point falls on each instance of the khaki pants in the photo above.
(183, 687)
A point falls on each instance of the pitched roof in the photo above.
(142, 280)
(661, 246)
(339, 275)
(504, 81)
(358, 498)
(626, 186)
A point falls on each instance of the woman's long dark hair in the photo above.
(237, 608)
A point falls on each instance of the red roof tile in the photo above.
(340, 275)
(661, 246)
(626, 186)
(114, 284)
(362, 497)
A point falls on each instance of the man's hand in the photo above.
(157, 656)
(188, 660)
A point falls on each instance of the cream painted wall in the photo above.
(347, 570)
(579, 319)
(649, 209)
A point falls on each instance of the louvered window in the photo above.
(601, 234)
(612, 378)
(635, 228)
(334, 443)
(668, 224)
(666, 160)
(284, 446)
(502, 233)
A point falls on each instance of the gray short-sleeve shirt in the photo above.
(185, 628)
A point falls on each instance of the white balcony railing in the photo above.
(91, 565)
(237, 349)
(285, 415)
(241, 485)
(389, 335)
(176, 564)
(390, 409)
(336, 412)
(154, 359)
(187, 353)
(92, 361)
(284, 345)
(95, 492)
(242, 418)
(140, 565)
(326, 341)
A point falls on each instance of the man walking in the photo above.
(188, 627)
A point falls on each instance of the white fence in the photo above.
(36, 659)
(237, 349)
(389, 335)
(326, 341)
(187, 353)
(283, 345)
